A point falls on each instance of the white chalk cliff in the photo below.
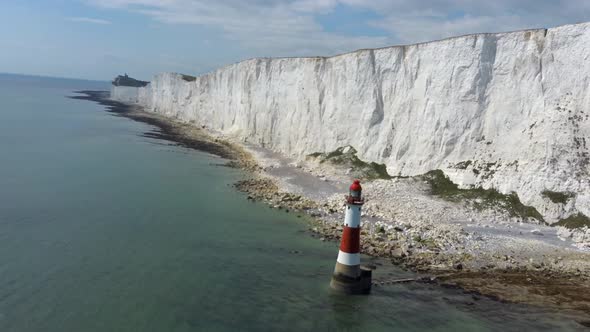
(507, 110)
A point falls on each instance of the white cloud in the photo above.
(418, 21)
(88, 20)
(314, 6)
(265, 27)
(421, 29)
(290, 27)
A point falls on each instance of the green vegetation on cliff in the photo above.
(574, 221)
(482, 198)
(557, 197)
(346, 156)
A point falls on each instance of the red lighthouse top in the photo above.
(356, 186)
(354, 196)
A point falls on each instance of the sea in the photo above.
(104, 228)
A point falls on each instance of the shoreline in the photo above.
(553, 285)
(184, 135)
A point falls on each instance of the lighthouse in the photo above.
(349, 277)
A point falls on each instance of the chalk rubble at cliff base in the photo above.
(404, 221)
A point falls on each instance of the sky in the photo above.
(98, 39)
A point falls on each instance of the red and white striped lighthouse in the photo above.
(349, 276)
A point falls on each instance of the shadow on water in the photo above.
(165, 130)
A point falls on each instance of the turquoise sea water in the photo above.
(102, 229)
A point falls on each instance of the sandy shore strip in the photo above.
(451, 243)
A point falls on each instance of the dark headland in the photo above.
(125, 80)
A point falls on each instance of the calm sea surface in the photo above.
(102, 229)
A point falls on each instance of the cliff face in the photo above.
(509, 110)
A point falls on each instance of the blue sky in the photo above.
(97, 39)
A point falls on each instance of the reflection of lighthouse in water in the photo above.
(349, 276)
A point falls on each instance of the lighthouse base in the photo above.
(349, 285)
